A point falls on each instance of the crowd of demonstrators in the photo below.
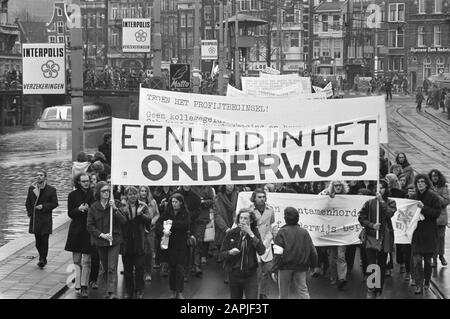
(433, 96)
(12, 79)
(165, 227)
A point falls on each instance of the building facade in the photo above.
(10, 55)
(428, 38)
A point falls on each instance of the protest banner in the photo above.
(273, 81)
(171, 154)
(327, 90)
(136, 35)
(167, 107)
(334, 221)
(290, 90)
(44, 68)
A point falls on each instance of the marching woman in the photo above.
(146, 196)
(177, 235)
(78, 238)
(378, 247)
(108, 245)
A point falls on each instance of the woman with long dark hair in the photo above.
(377, 249)
(177, 250)
(407, 169)
(439, 185)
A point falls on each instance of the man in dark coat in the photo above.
(41, 200)
(424, 241)
(105, 148)
(78, 238)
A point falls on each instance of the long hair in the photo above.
(330, 187)
(77, 178)
(257, 191)
(425, 178)
(180, 198)
(405, 162)
(149, 197)
(253, 222)
(394, 166)
(441, 178)
(392, 181)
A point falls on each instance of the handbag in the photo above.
(210, 233)
(369, 242)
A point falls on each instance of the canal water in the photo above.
(21, 154)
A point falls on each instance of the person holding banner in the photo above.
(265, 217)
(425, 239)
(377, 235)
(177, 251)
(336, 254)
(239, 250)
(108, 245)
(133, 246)
(294, 254)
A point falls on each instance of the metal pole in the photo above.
(221, 51)
(196, 62)
(279, 36)
(157, 38)
(225, 41)
(237, 75)
(76, 54)
(105, 39)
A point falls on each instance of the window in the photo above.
(68, 40)
(183, 41)
(420, 34)
(115, 39)
(336, 26)
(427, 67)
(52, 39)
(437, 6)
(190, 40)
(295, 39)
(149, 12)
(437, 35)
(59, 12)
(396, 38)
(208, 13)
(297, 16)
(139, 12)
(254, 5)
(60, 27)
(439, 65)
(183, 21)
(114, 13)
(324, 23)
(124, 12)
(421, 6)
(60, 39)
(337, 49)
(397, 12)
(133, 12)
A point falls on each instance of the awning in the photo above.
(247, 20)
(11, 30)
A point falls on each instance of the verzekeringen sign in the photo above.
(430, 50)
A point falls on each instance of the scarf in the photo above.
(244, 253)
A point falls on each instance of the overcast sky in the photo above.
(41, 10)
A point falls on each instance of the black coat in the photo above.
(78, 238)
(41, 221)
(425, 236)
(98, 222)
(178, 248)
(133, 231)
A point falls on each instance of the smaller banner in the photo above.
(327, 90)
(180, 76)
(268, 83)
(209, 50)
(136, 35)
(288, 92)
(44, 68)
(174, 154)
(334, 221)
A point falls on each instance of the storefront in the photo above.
(423, 62)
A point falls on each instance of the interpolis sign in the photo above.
(44, 69)
(136, 35)
(431, 50)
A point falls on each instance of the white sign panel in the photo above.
(136, 35)
(334, 221)
(157, 106)
(209, 50)
(288, 92)
(270, 82)
(175, 154)
(44, 68)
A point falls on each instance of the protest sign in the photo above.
(289, 92)
(327, 90)
(167, 107)
(333, 221)
(136, 35)
(44, 68)
(267, 82)
(154, 154)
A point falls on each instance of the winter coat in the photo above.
(106, 150)
(98, 222)
(224, 214)
(41, 222)
(133, 230)
(267, 232)
(78, 238)
(368, 217)
(198, 226)
(178, 249)
(297, 249)
(424, 239)
(444, 198)
(248, 264)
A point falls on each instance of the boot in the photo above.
(443, 261)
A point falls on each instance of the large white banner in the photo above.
(270, 82)
(334, 221)
(288, 92)
(136, 35)
(44, 68)
(154, 154)
(168, 107)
